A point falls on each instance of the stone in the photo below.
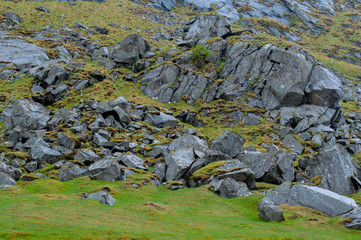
(69, 173)
(5, 179)
(161, 120)
(13, 16)
(335, 167)
(251, 119)
(229, 143)
(132, 48)
(106, 169)
(229, 188)
(293, 144)
(42, 9)
(65, 141)
(86, 156)
(270, 212)
(103, 197)
(133, 161)
(178, 161)
(43, 153)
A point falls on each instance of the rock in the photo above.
(103, 197)
(26, 114)
(251, 119)
(178, 161)
(270, 212)
(13, 16)
(65, 141)
(335, 167)
(106, 169)
(161, 120)
(42, 9)
(41, 152)
(133, 161)
(317, 198)
(86, 156)
(224, 8)
(5, 179)
(205, 27)
(69, 173)
(273, 167)
(132, 48)
(165, 5)
(355, 216)
(285, 87)
(324, 87)
(160, 170)
(50, 74)
(14, 172)
(229, 188)
(293, 144)
(229, 143)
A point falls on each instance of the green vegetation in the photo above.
(49, 209)
(199, 55)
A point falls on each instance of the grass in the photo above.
(49, 209)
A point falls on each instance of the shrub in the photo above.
(199, 55)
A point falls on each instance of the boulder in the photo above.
(270, 212)
(13, 16)
(106, 169)
(6, 179)
(178, 161)
(317, 198)
(65, 141)
(43, 153)
(355, 216)
(27, 114)
(230, 188)
(133, 161)
(335, 167)
(103, 197)
(293, 144)
(229, 143)
(86, 156)
(69, 173)
(205, 27)
(132, 48)
(161, 120)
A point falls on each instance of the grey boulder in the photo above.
(103, 197)
(229, 143)
(270, 212)
(230, 188)
(161, 120)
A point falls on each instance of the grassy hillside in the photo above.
(49, 209)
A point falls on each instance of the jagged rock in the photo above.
(229, 188)
(132, 48)
(42, 9)
(103, 197)
(65, 141)
(49, 74)
(293, 144)
(270, 212)
(335, 167)
(42, 152)
(14, 172)
(161, 120)
(324, 87)
(5, 179)
(251, 119)
(27, 114)
(160, 170)
(13, 16)
(86, 156)
(178, 161)
(133, 161)
(224, 8)
(205, 27)
(355, 216)
(32, 166)
(106, 169)
(273, 167)
(317, 198)
(229, 143)
(20, 53)
(69, 173)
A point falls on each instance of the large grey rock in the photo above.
(355, 216)
(19, 52)
(106, 169)
(324, 87)
(27, 114)
(132, 48)
(317, 198)
(161, 120)
(205, 27)
(273, 167)
(6, 179)
(165, 5)
(229, 143)
(43, 153)
(133, 161)
(86, 156)
(69, 173)
(103, 197)
(49, 74)
(336, 167)
(230, 188)
(13, 172)
(178, 161)
(270, 212)
(13, 16)
(285, 87)
(224, 7)
(293, 144)
(65, 141)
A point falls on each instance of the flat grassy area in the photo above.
(49, 209)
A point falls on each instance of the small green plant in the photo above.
(199, 55)
(293, 20)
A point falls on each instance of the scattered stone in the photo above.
(103, 197)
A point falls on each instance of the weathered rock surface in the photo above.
(317, 198)
(103, 197)
(270, 212)
(230, 188)
(229, 143)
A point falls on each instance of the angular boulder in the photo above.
(103, 197)
(133, 161)
(161, 120)
(106, 169)
(229, 143)
(230, 188)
